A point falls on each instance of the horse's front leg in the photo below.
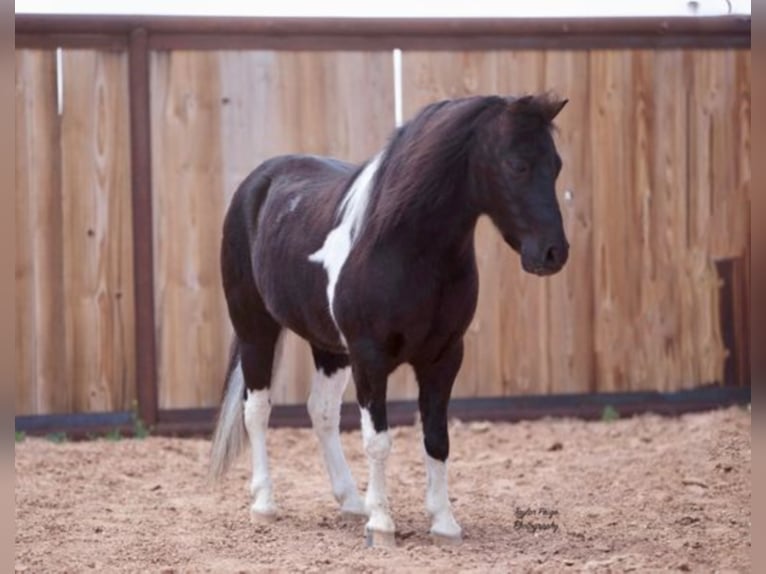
(327, 388)
(435, 385)
(371, 382)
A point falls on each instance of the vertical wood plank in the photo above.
(570, 342)
(187, 211)
(657, 324)
(719, 208)
(613, 104)
(41, 381)
(98, 266)
(24, 339)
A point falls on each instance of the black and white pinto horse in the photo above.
(374, 266)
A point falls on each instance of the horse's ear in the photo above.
(553, 108)
(542, 106)
(520, 104)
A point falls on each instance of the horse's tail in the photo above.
(230, 434)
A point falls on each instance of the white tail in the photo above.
(229, 437)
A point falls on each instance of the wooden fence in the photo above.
(124, 171)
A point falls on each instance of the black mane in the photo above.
(426, 158)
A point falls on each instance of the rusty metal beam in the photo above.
(143, 254)
(183, 32)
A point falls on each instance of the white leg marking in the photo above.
(437, 500)
(324, 409)
(377, 446)
(334, 252)
(257, 411)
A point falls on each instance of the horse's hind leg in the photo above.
(257, 335)
(327, 386)
(256, 362)
(435, 385)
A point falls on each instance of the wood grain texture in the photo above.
(41, 382)
(97, 240)
(613, 105)
(216, 116)
(74, 250)
(655, 144)
(719, 170)
(187, 187)
(657, 321)
(570, 344)
(636, 307)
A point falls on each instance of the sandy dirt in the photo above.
(639, 494)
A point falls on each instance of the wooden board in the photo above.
(719, 167)
(41, 382)
(97, 240)
(74, 256)
(187, 189)
(216, 116)
(570, 340)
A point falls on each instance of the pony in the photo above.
(374, 265)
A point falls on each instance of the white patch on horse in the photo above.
(443, 522)
(257, 410)
(324, 409)
(377, 446)
(339, 242)
(293, 203)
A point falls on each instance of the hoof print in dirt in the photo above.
(263, 517)
(444, 540)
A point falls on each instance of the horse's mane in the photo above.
(427, 157)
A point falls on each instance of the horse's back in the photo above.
(264, 190)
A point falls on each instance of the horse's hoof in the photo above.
(263, 515)
(445, 530)
(446, 539)
(379, 539)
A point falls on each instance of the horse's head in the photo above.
(517, 167)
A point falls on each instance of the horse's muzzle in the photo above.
(547, 261)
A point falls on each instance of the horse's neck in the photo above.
(439, 230)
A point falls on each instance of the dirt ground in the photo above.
(647, 493)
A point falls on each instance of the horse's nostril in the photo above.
(552, 256)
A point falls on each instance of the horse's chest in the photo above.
(387, 293)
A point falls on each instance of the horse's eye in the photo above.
(519, 167)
